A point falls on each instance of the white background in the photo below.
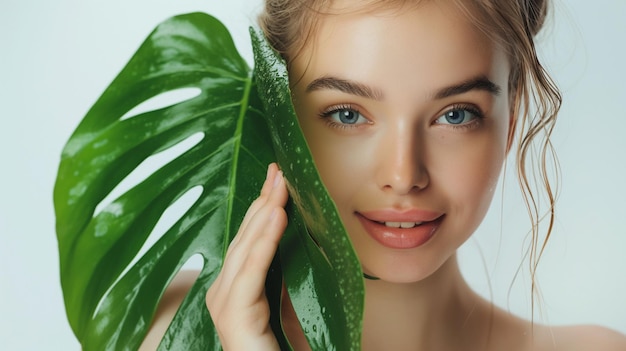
(56, 57)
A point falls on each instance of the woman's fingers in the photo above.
(270, 179)
(258, 230)
(260, 252)
(236, 300)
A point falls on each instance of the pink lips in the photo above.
(425, 225)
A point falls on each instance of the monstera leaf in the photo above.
(208, 154)
(325, 282)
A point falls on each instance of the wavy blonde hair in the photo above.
(535, 99)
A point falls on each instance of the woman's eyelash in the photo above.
(343, 116)
(336, 108)
(468, 107)
(472, 109)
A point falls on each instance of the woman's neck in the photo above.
(438, 313)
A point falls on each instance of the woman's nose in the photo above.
(401, 163)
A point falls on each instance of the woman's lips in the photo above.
(400, 230)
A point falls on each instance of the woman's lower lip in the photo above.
(400, 238)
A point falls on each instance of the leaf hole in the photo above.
(170, 216)
(194, 263)
(182, 282)
(163, 100)
(179, 287)
(145, 169)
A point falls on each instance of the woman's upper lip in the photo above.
(394, 215)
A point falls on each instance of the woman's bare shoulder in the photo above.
(514, 333)
(168, 306)
(580, 338)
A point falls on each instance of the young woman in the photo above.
(410, 109)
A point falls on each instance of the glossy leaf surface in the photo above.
(325, 286)
(211, 151)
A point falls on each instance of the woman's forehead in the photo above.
(432, 42)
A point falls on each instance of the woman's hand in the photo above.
(236, 300)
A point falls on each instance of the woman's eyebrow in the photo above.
(360, 89)
(346, 86)
(477, 83)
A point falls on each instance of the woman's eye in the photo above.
(346, 116)
(457, 116)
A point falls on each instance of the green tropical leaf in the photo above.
(221, 146)
(325, 285)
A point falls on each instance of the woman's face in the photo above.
(406, 113)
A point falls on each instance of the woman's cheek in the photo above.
(471, 184)
(340, 167)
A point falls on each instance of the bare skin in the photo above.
(482, 326)
(408, 119)
(508, 333)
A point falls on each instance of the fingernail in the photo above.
(277, 178)
(273, 214)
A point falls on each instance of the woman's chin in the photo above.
(408, 271)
